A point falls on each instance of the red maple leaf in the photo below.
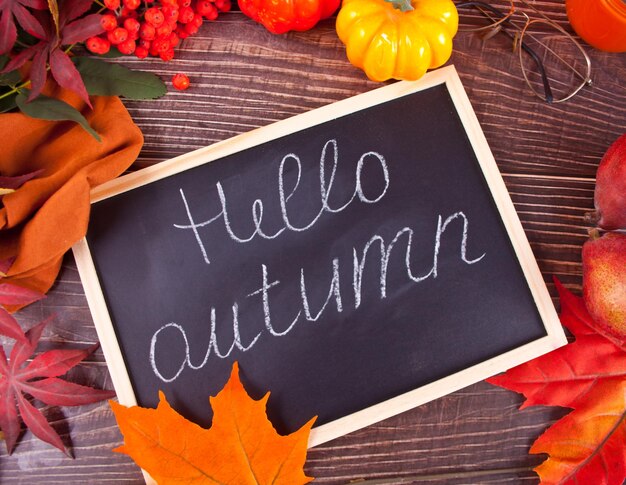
(11, 10)
(39, 378)
(11, 295)
(14, 295)
(48, 51)
(588, 375)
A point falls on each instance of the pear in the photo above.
(604, 281)
(610, 192)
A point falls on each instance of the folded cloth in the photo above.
(43, 218)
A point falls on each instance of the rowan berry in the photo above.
(169, 3)
(174, 40)
(131, 4)
(108, 22)
(205, 8)
(170, 12)
(147, 31)
(167, 55)
(184, 3)
(112, 4)
(117, 36)
(191, 29)
(154, 16)
(144, 43)
(182, 33)
(185, 15)
(132, 25)
(98, 45)
(223, 5)
(180, 81)
(128, 13)
(164, 30)
(127, 47)
(141, 52)
(160, 44)
(197, 20)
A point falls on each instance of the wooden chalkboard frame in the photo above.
(555, 336)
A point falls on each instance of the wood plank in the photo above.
(247, 78)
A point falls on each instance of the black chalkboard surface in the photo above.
(356, 261)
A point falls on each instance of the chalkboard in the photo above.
(357, 261)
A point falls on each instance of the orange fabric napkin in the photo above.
(42, 219)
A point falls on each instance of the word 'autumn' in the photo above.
(335, 293)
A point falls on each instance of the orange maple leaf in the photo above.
(240, 447)
(587, 446)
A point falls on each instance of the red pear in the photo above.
(610, 193)
(604, 281)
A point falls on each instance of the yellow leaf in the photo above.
(6, 191)
(241, 447)
(54, 10)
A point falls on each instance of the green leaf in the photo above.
(52, 109)
(113, 53)
(104, 79)
(8, 103)
(8, 78)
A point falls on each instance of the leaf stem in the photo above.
(16, 89)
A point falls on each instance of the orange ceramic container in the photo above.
(601, 23)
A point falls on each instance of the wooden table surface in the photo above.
(242, 78)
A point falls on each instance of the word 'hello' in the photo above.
(257, 206)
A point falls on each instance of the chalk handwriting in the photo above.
(326, 187)
(334, 292)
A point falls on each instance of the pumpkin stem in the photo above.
(402, 5)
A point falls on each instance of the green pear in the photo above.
(610, 193)
(604, 281)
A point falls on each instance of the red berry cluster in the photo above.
(152, 27)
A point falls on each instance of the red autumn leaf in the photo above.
(588, 375)
(5, 264)
(11, 10)
(9, 326)
(13, 295)
(588, 446)
(48, 51)
(241, 446)
(17, 295)
(39, 378)
(15, 183)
